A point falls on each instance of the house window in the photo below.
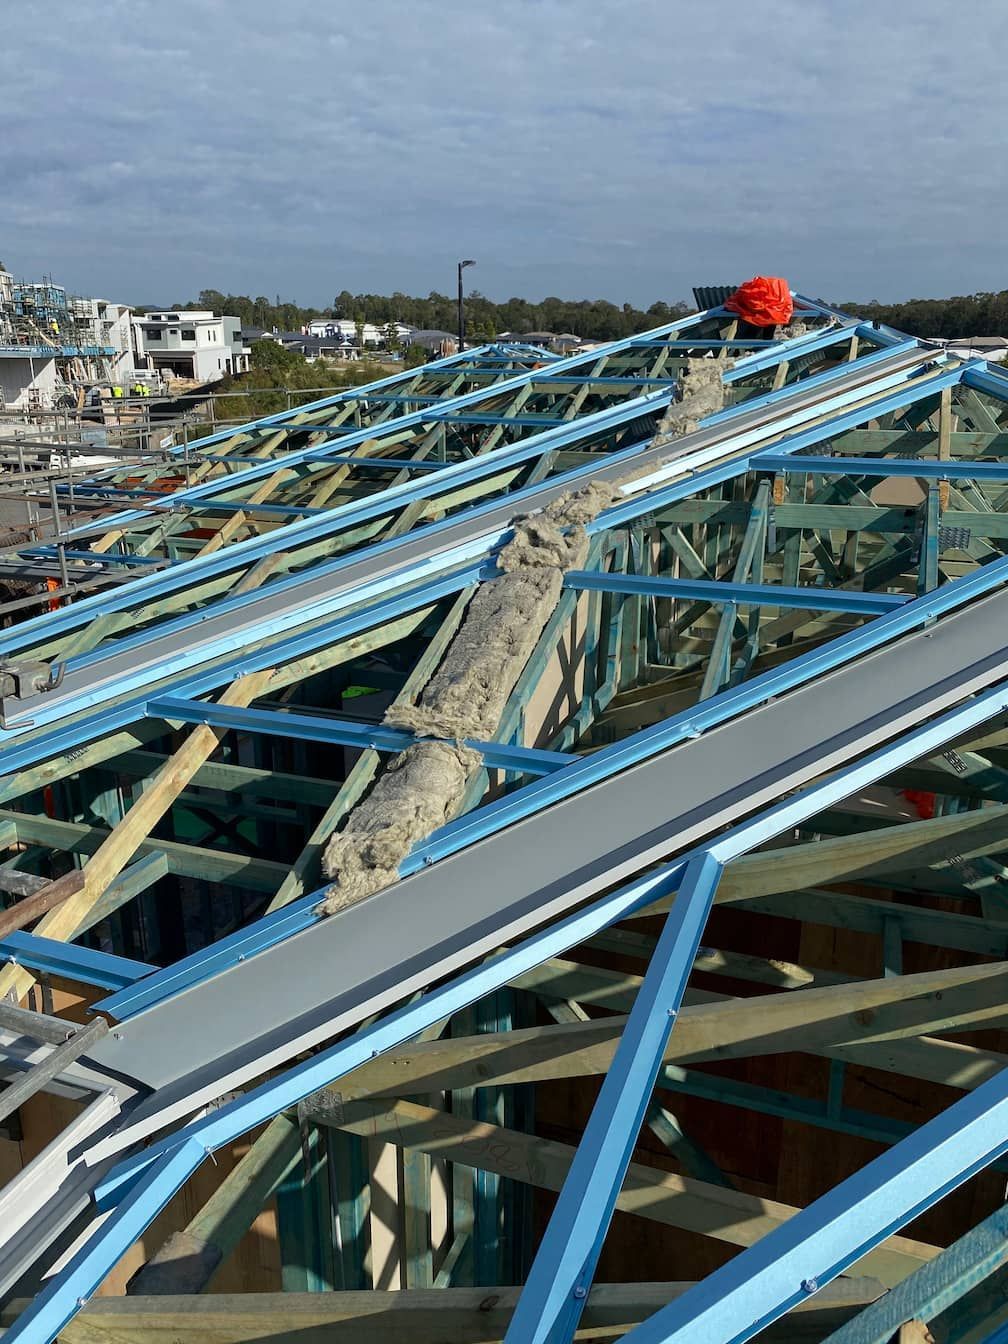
(188, 333)
(153, 333)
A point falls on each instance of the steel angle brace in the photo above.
(311, 728)
(139, 1187)
(759, 594)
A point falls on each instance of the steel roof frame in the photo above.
(830, 1234)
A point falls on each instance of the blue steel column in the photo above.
(554, 1297)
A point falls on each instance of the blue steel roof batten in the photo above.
(232, 557)
(72, 961)
(718, 590)
(235, 556)
(642, 501)
(147, 1188)
(104, 721)
(314, 728)
(514, 383)
(931, 468)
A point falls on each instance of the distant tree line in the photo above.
(984, 314)
(591, 319)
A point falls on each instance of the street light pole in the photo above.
(461, 311)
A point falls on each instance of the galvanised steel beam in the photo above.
(931, 469)
(758, 594)
(344, 732)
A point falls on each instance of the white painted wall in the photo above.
(21, 378)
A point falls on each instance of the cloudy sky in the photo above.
(584, 148)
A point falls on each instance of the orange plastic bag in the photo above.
(765, 301)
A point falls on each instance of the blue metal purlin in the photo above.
(322, 451)
(304, 640)
(632, 509)
(377, 507)
(311, 529)
(758, 594)
(335, 520)
(795, 1260)
(344, 732)
(935, 1287)
(635, 506)
(149, 1190)
(930, 468)
(72, 961)
(519, 380)
(96, 557)
(554, 1295)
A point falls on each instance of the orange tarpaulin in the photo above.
(765, 301)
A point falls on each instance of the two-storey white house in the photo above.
(196, 345)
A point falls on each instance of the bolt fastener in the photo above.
(809, 1285)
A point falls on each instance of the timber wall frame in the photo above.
(759, 647)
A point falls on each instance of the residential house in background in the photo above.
(371, 333)
(195, 345)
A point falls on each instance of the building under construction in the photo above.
(53, 344)
(515, 852)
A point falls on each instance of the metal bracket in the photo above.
(22, 681)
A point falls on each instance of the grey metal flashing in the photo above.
(220, 1034)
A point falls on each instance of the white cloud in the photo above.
(583, 149)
